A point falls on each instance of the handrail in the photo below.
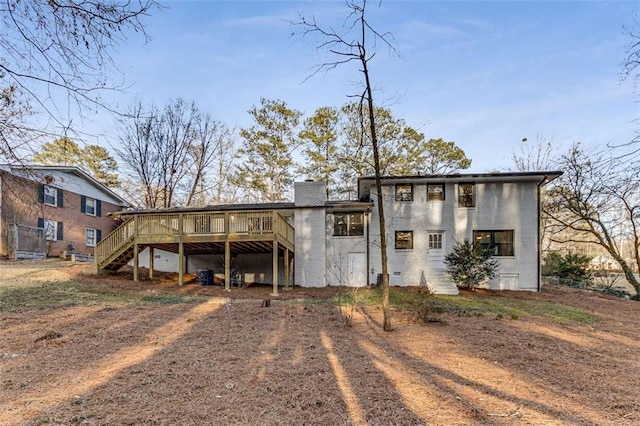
(115, 241)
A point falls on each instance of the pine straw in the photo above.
(230, 361)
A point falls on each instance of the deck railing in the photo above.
(177, 225)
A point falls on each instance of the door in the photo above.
(357, 273)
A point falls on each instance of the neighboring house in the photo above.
(338, 242)
(63, 205)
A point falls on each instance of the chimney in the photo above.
(310, 193)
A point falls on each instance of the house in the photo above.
(315, 242)
(45, 210)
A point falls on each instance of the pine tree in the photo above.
(268, 164)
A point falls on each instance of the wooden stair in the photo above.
(116, 250)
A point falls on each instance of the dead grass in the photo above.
(203, 356)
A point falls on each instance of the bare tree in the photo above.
(597, 201)
(536, 156)
(53, 58)
(353, 46)
(170, 152)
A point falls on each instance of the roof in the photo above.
(542, 177)
(210, 208)
(38, 172)
(337, 205)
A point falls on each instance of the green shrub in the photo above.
(570, 267)
(469, 265)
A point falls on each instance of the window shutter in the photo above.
(40, 222)
(60, 236)
(83, 204)
(98, 235)
(60, 203)
(41, 193)
(98, 208)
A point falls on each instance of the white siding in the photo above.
(68, 181)
(338, 250)
(310, 247)
(499, 206)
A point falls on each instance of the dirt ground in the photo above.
(228, 360)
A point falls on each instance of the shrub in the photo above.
(469, 265)
(571, 267)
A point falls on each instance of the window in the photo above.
(404, 240)
(348, 224)
(52, 229)
(435, 192)
(92, 237)
(90, 206)
(499, 242)
(435, 240)
(404, 192)
(466, 195)
(50, 195)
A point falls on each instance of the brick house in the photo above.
(335, 243)
(69, 205)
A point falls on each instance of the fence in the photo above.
(27, 242)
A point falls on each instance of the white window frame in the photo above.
(433, 237)
(90, 241)
(93, 206)
(51, 192)
(50, 229)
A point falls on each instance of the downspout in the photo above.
(539, 242)
(368, 222)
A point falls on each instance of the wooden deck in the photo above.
(255, 231)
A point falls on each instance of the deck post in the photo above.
(275, 268)
(136, 253)
(286, 268)
(227, 264)
(180, 262)
(151, 255)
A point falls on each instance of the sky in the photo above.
(482, 74)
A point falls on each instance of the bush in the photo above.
(469, 265)
(572, 267)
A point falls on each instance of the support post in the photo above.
(151, 256)
(275, 268)
(286, 268)
(136, 253)
(180, 263)
(227, 265)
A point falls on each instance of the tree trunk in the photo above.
(386, 326)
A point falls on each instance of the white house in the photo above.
(424, 217)
(334, 243)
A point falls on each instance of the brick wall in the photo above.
(20, 204)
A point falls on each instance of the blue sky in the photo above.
(483, 74)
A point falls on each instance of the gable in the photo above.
(70, 179)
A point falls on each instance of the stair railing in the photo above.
(114, 242)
